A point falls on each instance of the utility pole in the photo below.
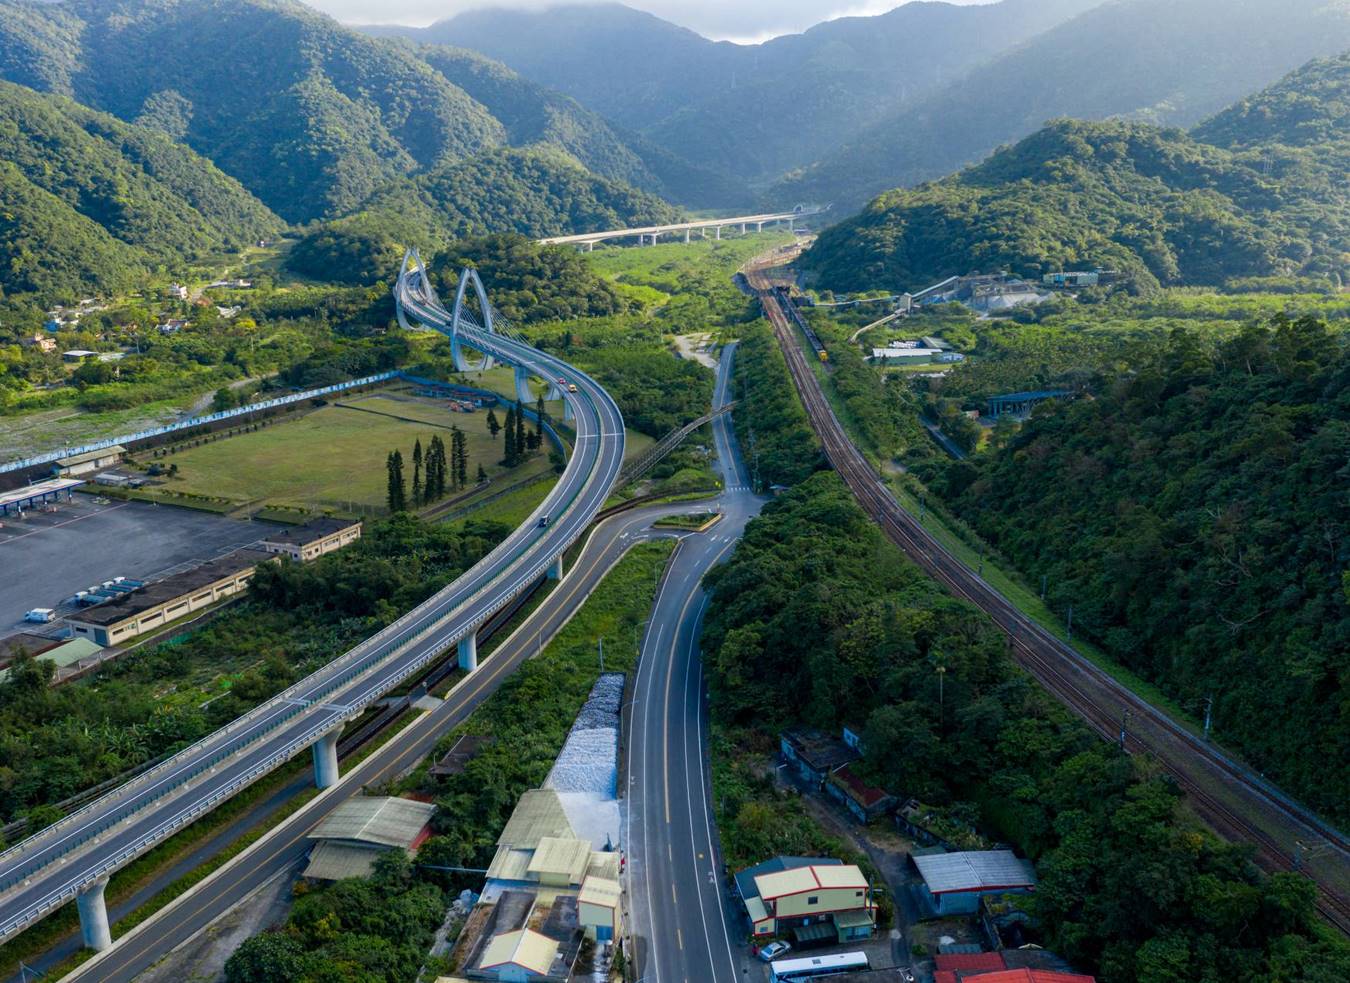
(602, 656)
(1209, 714)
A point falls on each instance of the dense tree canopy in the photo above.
(1195, 516)
(818, 619)
(1154, 204)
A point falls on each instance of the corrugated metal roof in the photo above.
(390, 822)
(597, 891)
(604, 865)
(563, 856)
(531, 950)
(853, 919)
(337, 861)
(982, 870)
(843, 876)
(510, 864)
(786, 882)
(538, 814)
(745, 879)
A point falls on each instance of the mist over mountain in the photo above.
(1153, 60)
(754, 110)
(1256, 191)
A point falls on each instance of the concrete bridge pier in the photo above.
(555, 569)
(326, 771)
(742, 228)
(94, 929)
(468, 652)
(590, 247)
(523, 391)
(759, 226)
(719, 233)
(686, 235)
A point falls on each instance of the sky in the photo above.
(731, 20)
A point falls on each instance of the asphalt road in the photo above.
(681, 920)
(48, 869)
(287, 843)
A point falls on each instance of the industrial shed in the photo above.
(354, 835)
(954, 882)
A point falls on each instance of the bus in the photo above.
(812, 966)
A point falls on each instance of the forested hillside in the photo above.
(754, 110)
(308, 115)
(1195, 516)
(1308, 107)
(534, 193)
(817, 619)
(1156, 60)
(1152, 203)
(91, 201)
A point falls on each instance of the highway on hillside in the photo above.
(77, 854)
(284, 846)
(680, 917)
(1228, 796)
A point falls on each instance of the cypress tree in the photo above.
(493, 426)
(482, 475)
(512, 454)
(397, 495)
(459, 449)
(417, 472)
(522, 441)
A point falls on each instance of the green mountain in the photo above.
(90, 201)
(757, 110)
(1159, 204)
(534, 115)
(533, 192)
(1154, 60)
(1310, 106)
(310, 116)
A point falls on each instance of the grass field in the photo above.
(335, 456)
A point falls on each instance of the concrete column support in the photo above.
(590, 247)
(759, 226)
(555, 569)
(468, 652)
(686, 235)
(742, 228)
(94, 928)
(523, 391)
(326, 771)
(719, 233)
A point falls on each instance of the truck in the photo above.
(40, 616)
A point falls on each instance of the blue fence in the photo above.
(195, 421)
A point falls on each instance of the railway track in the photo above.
(1237, 804)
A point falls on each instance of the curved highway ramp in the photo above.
(72, 859)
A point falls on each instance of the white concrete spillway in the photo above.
(652, 232)
(73, 858)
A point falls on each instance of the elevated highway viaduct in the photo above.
(73, 859)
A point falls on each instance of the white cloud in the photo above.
(739, 20)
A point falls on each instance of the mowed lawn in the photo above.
(336, 455)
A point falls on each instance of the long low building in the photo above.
(313, 539)
(89, 461)
(118, 622)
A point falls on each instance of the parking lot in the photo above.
(45, 557)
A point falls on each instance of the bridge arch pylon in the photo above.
(469, 276)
